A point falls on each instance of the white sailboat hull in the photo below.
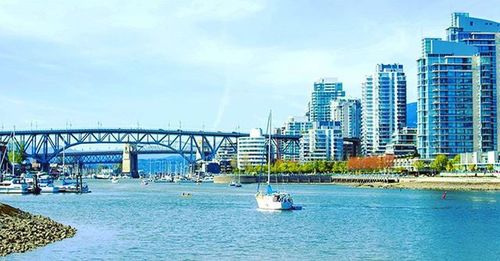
(268, 202)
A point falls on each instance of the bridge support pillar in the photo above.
(130, 161)
(45, 166)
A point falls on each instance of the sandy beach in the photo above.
(441, 183)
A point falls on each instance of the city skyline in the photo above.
(139, 64)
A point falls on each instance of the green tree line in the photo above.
(283, 166)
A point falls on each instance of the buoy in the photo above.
(444, 195)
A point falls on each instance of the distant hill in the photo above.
(411, 115)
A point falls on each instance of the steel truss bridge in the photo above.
(101, 156)
(44, 146)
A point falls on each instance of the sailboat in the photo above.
(238, 184)
(271, 199)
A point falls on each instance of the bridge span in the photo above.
(44, 145)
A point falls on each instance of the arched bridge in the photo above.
(44, 145)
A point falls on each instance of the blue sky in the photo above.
(212, 65)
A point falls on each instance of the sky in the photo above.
(200, 65)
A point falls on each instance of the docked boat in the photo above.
(208, 179)
(102, 176)
(163, 179)
(71, 186)
(144, 182)
(271, 199)
(114, 180)
(13, 186)
(182, 179)
(46, 184)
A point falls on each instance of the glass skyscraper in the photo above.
(457, 89)
(348, 112)
(325, 90)
(383, 107)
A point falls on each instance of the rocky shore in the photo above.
(21, 231)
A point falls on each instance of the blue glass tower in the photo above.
(457, 89)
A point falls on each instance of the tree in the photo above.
(16, 155)
(322, 166)
(490, 167)
(453, 163)
(439, 163)
(419, 166)
(234, 163)
(118, 168)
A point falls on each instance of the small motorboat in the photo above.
(14, 186)
(186, 194)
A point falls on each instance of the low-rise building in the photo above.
(403, 142)
(252, 150)
(480, 160)
(225, 154)
(297, 125)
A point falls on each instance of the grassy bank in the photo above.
(21, 231)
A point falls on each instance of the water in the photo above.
(130, 221)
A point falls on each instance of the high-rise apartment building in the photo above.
(485, 36)
(383, 107)
(298, 125)
(457, 89)
(322, 142)
(348, 113)
(325, 90)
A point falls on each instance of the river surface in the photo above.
(135, 222)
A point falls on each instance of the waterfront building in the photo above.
(480, 160)
(324, 91)
(367, 115)
(352, 148)
(403, 142)
(383, 107)
(348, 112)
(225, 155)
(457, 89)
(445, 98)
(252, 150)
(322, 142)
(485, 36)
(297, 125)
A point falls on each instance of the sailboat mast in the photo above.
(13, 154)
(269, 149)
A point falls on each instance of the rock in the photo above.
(21, 231)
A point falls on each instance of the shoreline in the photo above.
(438, 183)
(465, 183)
(21, 231)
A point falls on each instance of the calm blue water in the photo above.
(127, 220)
